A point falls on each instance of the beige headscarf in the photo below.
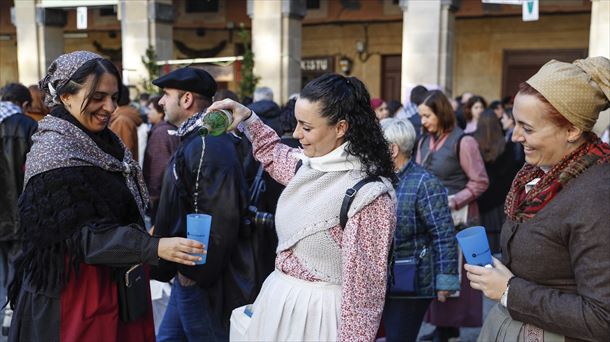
(579, 90)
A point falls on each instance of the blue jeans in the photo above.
(402, 318)
(189, 317)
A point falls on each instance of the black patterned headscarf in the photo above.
(60, 72)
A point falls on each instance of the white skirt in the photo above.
(289, 309)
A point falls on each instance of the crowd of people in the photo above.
(320, 208)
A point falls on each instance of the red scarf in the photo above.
(521, 206)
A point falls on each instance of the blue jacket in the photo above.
(424, 227)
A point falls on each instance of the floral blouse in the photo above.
(364, 243)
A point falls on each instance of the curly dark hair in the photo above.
(346, 98)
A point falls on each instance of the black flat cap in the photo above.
(189, 79)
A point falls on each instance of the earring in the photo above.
(571, 141)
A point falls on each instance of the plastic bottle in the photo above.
(216, 122)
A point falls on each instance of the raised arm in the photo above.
(278, 159)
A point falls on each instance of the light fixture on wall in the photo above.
(361, 46)
(345, 63)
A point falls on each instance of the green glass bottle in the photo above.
(216, 122)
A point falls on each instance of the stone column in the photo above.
(276, 44)
(599, 45)
(427, 45)
(599, 36)
(144, 23)
(40, 43)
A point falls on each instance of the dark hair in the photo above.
(155, 102)
(346, 98)
(489, 136)
(144, 97)
(441, 107)
(418, 94)
(124, 96)
(37, 106)
(96, 67)
(16, 93)
(393, 107)
(222, 94)
(287, 119)
(470, 103)
(495, 104)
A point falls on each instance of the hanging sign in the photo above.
(503, 2)
(530, 10)
(81, 18)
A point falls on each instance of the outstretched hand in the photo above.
(240, 112)
(179, 250)
(492, 281)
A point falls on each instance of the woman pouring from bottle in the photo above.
(330, 280)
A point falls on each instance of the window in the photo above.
(352, 5)
(108, 11)
(313, 4)
(202, 6)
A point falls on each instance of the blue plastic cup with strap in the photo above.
(475, 246)
(198, 228)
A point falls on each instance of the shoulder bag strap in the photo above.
(257, 187)
(349, 198)
(298, 166)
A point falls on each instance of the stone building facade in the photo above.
(392, 45)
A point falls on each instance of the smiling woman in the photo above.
(557, 213)
(93, 110)
(81, 214)
(330, 277)
(546, 138)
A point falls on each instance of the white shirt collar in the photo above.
(336, 160)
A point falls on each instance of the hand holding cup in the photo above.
(180, 250)
(491, 280)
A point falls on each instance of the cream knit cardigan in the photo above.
(311, 203)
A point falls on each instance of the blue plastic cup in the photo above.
(475, 246)
(198, 228)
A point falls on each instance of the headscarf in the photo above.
(61, 71)
(579, 90)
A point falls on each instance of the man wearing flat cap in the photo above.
(207, 178)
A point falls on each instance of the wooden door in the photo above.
(519, 65)
(390, 77)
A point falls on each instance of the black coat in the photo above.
(501, 173)
(15, 142)
(223, 194)
(87, 216)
